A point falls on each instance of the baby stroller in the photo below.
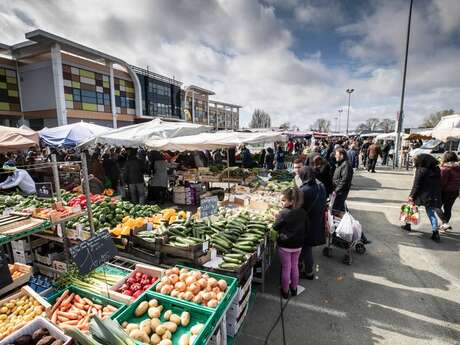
(335, 217)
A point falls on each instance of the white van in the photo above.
(436, 148)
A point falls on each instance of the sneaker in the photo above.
(444, 227)
(406, 227)
(293, 291)
(435, 236)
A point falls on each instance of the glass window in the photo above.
(76, 95)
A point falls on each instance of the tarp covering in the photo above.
(13, 139)
(389, 136)
(137, 135)
(446, 134)
(72, 134)
(298, 134)
(211, 141)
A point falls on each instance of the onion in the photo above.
(222, 285)
(175, 270)
(203, 283)
(194, 288)
(212, 303)
(212, 282)
(188, 296)
(174, 293)
(220, 295)
(180, 286)
(190, 279)
(183, 276)
(174, 278)
(197, 299)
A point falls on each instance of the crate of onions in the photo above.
(210, 290)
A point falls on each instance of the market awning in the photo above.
(72, 134)
(138, 134)
(389, 136)
(211, 141)
(13, 139)
(446, 134)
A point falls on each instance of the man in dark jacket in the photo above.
(341, 180)
(364, 149)
(323, 172)
(373, 153)
(314, 203)
(385, 152)
(134, 177)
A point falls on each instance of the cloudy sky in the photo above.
(292, 58)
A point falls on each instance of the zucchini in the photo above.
(229, 266)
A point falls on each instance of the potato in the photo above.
(141, 308)
(175, 318)
(160, 330)
(222, 285)
(160, 308)
(145, 326)
(154, 323)
(155, 339)
(124, 324)
(167, 314)
(153, 303)
(131, 326)
(184, 339)
(137, 334)
(185, 318)
(195, 330)
(166, 342)
(170, 326)
(154, 312)
(167, 335)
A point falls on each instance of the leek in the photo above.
(79, 337)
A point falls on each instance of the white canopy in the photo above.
(71, 134)
(138, 134)
(389, 136)
(211, 141)
(446, 134)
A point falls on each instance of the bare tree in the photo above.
(370, 125)
(321, 125)
(433, 119)
(260, 119)
(285, 125)
(387, 125)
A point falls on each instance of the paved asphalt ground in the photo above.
(404, 290)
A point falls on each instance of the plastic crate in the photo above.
(113, 270)
(229, 295)
(92, 296)
(197, 315)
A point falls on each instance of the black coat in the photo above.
(291, 224)
(314, 203)
(324, 175)
(134, 171)
(343, 175)
(426, 189)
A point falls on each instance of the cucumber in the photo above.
(247, 249)
(229, 266)
(231, 260)
(220, 248)
(235, 256)
(238, 251)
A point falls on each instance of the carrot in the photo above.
(62, 318)
(69, 323)
(78, 299)
(88, 301)
(69, 315)
(58, 302)
(79, 305)
(54, 317)
(69, 299)
(97, 306)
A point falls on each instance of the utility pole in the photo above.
(349, 91)
(400, 119)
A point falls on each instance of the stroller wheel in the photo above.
(360, 248)
(327, 251)
(347, 260)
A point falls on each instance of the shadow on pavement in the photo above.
(375, 300)
(375, 200)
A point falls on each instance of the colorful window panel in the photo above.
(9, 92)
(86, 90)
(124, 97)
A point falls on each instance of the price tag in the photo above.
(7, 211)
(209, 206)
(258, 251)
(205, 246)
(149, 226)
(213, 254)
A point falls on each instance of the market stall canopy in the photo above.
(72, 134)
(298, 134)
(138, 134)
(446, 134)
(389, 136)
(212, 141)
(13, 139)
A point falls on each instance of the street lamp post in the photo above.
(340, 118)
(349, 91)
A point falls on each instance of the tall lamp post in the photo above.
(340, 117)
(349, 91)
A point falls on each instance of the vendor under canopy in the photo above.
(17, 178)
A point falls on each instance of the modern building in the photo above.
(48, 80)
(224, 115)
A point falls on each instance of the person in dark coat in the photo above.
(426, 190)
(450, 186)
(314, 203)
(290, 224)
(262, 158)
(324, 173)
(269, 159)
(341, 180)
(134, 177)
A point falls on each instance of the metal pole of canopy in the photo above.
(57, 185)
(228, 169)
(84, 167)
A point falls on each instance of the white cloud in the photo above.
(242, 51)
(319, 14)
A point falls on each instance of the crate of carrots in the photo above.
(75, 307)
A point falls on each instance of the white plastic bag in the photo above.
(349, 229)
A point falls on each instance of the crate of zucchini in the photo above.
(237, 239)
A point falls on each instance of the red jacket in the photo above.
(450, 177)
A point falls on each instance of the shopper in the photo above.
(280, 156)
(314, 204)
(343, 175)
(364, 149)
(353, 158)
(17, 178)
(270, 159)
(426, 190)
(290, 224)
(158, 182)
(373, 153)
(262, 158)
(290, 146)
(324, 173)
(297, 167)
(386, 152)
(450, 186)
(134, 177)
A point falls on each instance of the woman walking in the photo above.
(314, 203)
(450, 186)
(426, 190)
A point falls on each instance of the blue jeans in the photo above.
(432, 216)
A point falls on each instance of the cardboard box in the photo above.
(23, 257)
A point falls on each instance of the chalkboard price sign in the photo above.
(93, 252)
(5, 274)
(44, 189)
(209, 206)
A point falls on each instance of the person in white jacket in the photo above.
(18, 178)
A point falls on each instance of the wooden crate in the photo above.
(23, 279)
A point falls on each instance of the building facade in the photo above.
(48, 81)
